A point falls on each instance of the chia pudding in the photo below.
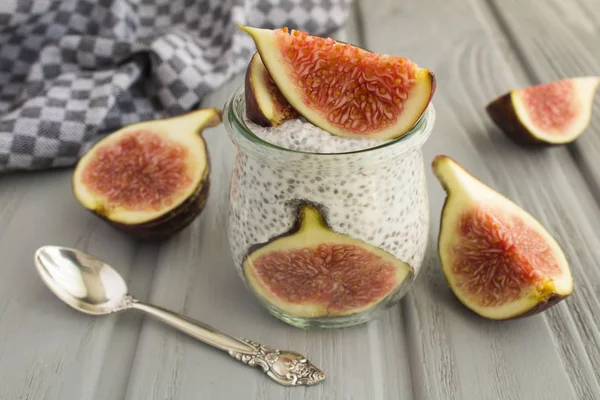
(370, 190)
(300, 135)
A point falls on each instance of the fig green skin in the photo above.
(543, 305)
(168, 224)
(504, 115)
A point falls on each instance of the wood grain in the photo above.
(48, 350)
(456, 354)
(558, 40)
(427, 347)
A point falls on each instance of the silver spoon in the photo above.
(93, 287)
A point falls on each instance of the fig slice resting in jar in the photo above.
(265, 104)
(328, 213)
(343, 89)
(313, 272)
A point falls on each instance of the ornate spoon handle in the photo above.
(285, 367)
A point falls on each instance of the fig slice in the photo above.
(343, 89)
(499, 261)
(312, 271)
(265, 105)
(547, 114)
(149, 179)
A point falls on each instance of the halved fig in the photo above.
(265, 105)
(343, 89)
(547, 114)
(149, 179)
(499, 261)
(313, 272)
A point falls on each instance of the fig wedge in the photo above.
(548, 114)
(343, 89)
(265, 105)
(150, 179)
(499, 261)
(314, 272)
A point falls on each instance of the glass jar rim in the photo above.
(237, 128)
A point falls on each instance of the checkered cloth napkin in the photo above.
(73, 70)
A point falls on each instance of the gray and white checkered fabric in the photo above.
(73, 70)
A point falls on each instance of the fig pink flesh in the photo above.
(139, 172)
(499, 256)
(340, 277)
(359, 91)
(282, 107)
(551, 106)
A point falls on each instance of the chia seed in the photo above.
(393, 198)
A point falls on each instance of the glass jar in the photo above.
(327, 240)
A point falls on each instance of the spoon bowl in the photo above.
(81, 280)
(93, 287)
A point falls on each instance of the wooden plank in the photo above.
(429, 347)
(367, 362)
(456, 354)
(48, 350)
(562, 41)
(557, 40)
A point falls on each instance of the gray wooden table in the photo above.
(427, 347)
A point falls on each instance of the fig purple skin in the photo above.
(265, 104)
(168, 225)
(253, 111)
(502, 112)
(544, 115)
(150, 179)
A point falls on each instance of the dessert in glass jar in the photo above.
(328, 217)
